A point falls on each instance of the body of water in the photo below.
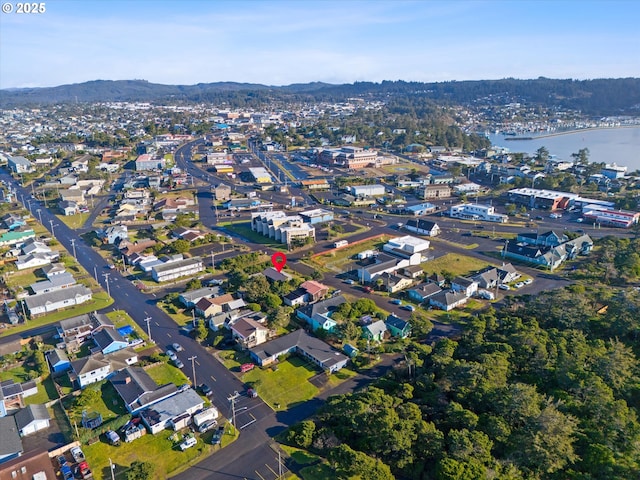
(613, 145)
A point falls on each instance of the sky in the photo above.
(275, 42)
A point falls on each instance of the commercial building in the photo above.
(318, 215)
(260, 175)
(434, 191)
(472, 211)
(287, 229)
(19, 164)
(367, 190)
(611, 218)
(552, 199)
(352, 158)
(149, 162)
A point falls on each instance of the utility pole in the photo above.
(106, 282)
(147, 321)
(213, 263)
(39, 215)
(112, 467)
(73, 245)
(193, 368)
(95, 273)
(51, 224)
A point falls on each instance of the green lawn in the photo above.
(98, 302)
(244, 229)
(46, 393)
(165, 373)
(120, 318)
(21, 279)
(321, 471)
(109, 405)
(301, 457)
(18, 374)
(158, 449)
(74, 221)
(338, 258)
(285, 387)
(455, 264)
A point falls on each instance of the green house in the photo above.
(398, 327)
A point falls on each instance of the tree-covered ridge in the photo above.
(592, 97)
(548, 387)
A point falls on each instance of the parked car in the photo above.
(66, 472)
(62, 460)
(206, 426)
(349, 281)
(77, 454)
(205, 390)
(113, 437)
(519, 285)
(178, 363)
(172, 355)
(528, 281)
(177, 347)
(396, 301)
(217, 437)
(188, 443)
(504, 286)
(410, 308)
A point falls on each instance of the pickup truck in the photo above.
(77, 454)
(83, 470)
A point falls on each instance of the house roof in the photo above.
(60, 280)
(378, 263)
(297, 293)
(172, 407)
(245, 327)
(397, 322)
(312, 346)
(106, 337)
(313, 288)
(323, 307)
(10, 442)
(193, 295)
(376, 328)
(137, 388)
(95, 320)
(89, 364)
(30, 413)
(427, 289)
(42, 299)
(448, 297)
(272, 274)
(463, 281)
(421, 224)
(53, 269)
(167, 267)
(57, 356)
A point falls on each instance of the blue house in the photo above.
(350, 350)
(13, 221)
(398, 327)
(318, 315)
(59, 361)
(109, 340)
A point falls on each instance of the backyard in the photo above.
(454, 264)
(163, 373)
(336, 259)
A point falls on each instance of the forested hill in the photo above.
(592, 97)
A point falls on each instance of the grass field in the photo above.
(244, 229)
(165, 373)
(109, 405)
(321, 471)
(73, 221)
(455, 264)
(158, 449)
(338, 258)
(120, 318)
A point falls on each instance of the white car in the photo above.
(528, 281)
(519, 285)
(172, 355)
(504, 286)
(188, 443)
(177, 347)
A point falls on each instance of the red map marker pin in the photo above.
(279, 260)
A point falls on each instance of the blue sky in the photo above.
(337, 41)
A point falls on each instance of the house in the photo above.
(394, 283)
(422, 227)
(318, 315)
(465, 285)
(315, 290)
(109, 340)
(248, 332)
(56, 282)
(422, 292)
(19, 164)
(434, 191)
(32, 419)
(58, 360)
(138, 390)
(448, 300)
(372, 267)
(12, 394)
(15, 237)
(275, 275)
(33, 260)
(13, 221)
(205, 307)
(298, 297)
(73, 331)
(413, 271)
(374, 331)
(52, 301)
(350, 350)
(162, 414)
(437, 279)
(97, 367)
(73, 195)
(547, 239)
(190, 298)
(303, 344)
(222, 192)
(147, 161)
(53, 269)
(34, 465)
(398, 327)
(114, 234)
(68, 208)
(176, 269)
(10, 442)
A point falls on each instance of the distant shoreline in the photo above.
(568, 132)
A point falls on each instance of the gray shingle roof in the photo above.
(26, 415)
(10, 441)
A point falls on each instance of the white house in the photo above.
(180, 268)
(52, 301)
(31, 419)
(472, 211)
